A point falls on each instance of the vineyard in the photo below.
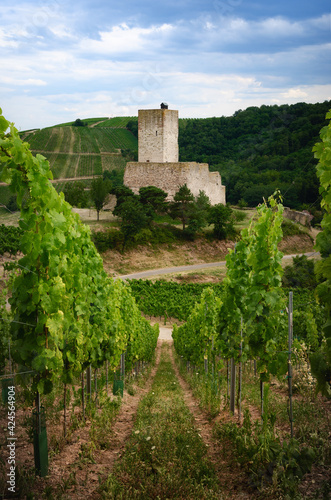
(252, 322)
(254, 354)
(118, 121)
(67, 315)
(83, 151)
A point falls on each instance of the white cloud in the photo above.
(22, 82)
(294, 93)
(6, 39)
(278, 27)
(63, 32)
(59, 64)
(122, 38)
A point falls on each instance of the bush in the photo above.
(238, 215)
(143, 237)
(289, 228)
(112, 239)
(75, 194)
(300, 274)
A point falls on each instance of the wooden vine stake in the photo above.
(83, 395)
(290, 339)
(233, 385)
(240, 371)
(107, 377)
(96, 385)
(88, 383)
(122, 366)
(65, 410)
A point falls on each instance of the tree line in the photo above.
(148, 217)
(258, 150)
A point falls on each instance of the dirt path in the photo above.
(65, 468)
(230, 477)
(97, 123)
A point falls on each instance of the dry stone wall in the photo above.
(303, 218)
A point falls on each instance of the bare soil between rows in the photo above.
(72, 477)
(88, 478)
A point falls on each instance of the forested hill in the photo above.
(258, 150)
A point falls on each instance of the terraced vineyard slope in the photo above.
(84, 151)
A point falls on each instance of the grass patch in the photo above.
(290, 228)
(165, 456)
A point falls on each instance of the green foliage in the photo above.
(12, 204)
(133, 218)
(99, 191)
(321, 361)
(320, 367)
(168, 298)
(259, 150)
(221, 217)
(79, 123)
(271, 463)
(198, 215)
(198, 337)
(114, 176)
(132, 125)
(238, 215)
(75, 194)
(122, 193)
(182, 205)
(300, 274)
(10, 237)
(252, 292)
(129, 154)
(191, 211)
(105, 240)
(290, 228)
(68, 314)
(153, 199)
(267, 335)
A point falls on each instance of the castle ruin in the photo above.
(158, 163)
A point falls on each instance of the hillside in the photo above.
(256, 150)
(259, 150)
(83, 151)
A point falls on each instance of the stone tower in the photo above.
(158, 164)
(158, 135)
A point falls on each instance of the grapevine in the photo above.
(321, 361)
(68, 314)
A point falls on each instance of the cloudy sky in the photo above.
(78, 59)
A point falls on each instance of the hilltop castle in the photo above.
(158, 163)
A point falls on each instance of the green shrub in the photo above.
(238, 215)
(111, 239)
(300, 274)
(290, 228)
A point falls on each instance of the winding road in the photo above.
(193, 267)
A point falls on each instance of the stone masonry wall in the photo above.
(170, 176)
(303, 218)
(157, 135)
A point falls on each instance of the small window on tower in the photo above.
(156, 133)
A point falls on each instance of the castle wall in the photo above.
(157, 135)
(303, 218)
(170, 176)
